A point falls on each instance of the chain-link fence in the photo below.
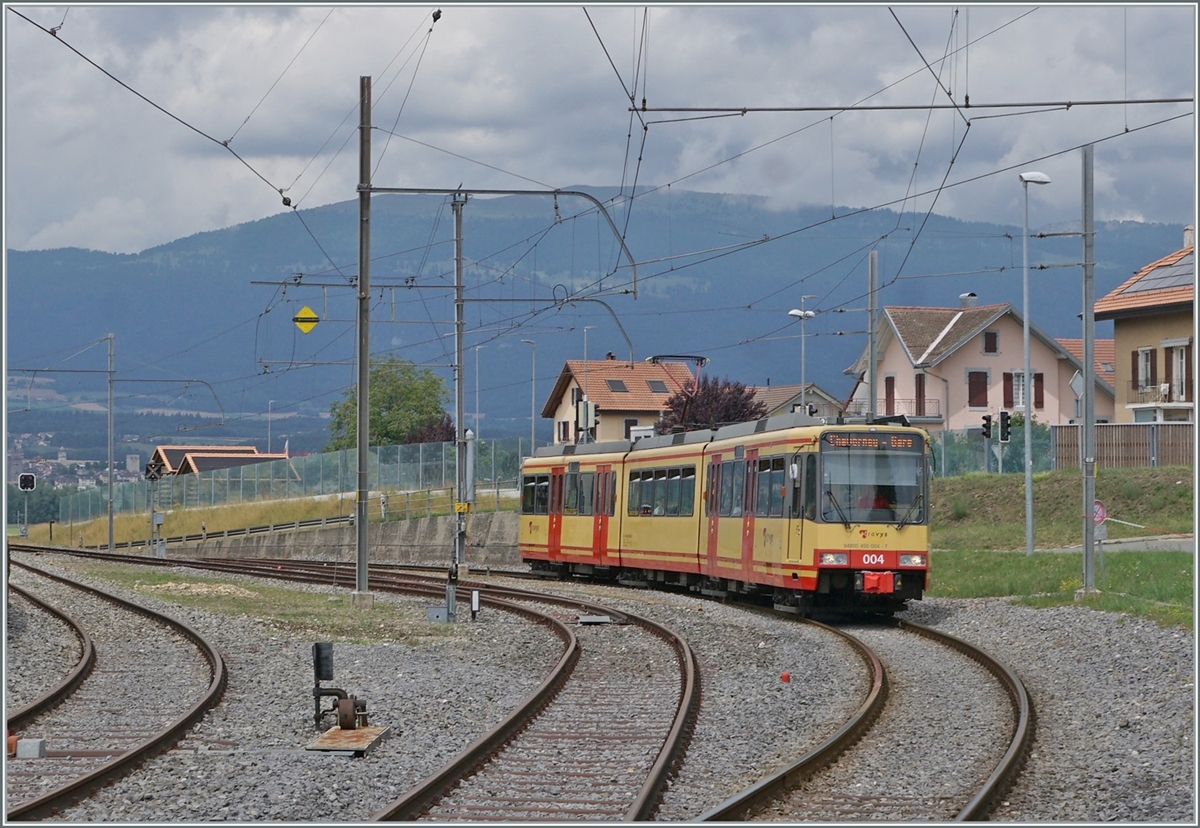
(966, 451)
(412, 468)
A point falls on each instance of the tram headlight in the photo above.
(835, 558)
(912, 560)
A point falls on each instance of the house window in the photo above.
(1178, 373)
(630, 422)
(564, 431)
(991, 342)
(1015, 391)
(977, 388)
(657, 386)
(1145, 373)
(617, 386)
(919, 384)
(576, 394)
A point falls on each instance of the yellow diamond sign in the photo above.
(306, 319)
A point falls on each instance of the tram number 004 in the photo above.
(872, 559)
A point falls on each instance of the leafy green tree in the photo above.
(407, 406)
(712, 403)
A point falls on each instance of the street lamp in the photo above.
(532, 393)
(1028, 178)
(803, 315)
(269, 404)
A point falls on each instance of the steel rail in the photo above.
(737, 807)
(59, 797)
(411, 804)
(1001, 779)
(82, 669)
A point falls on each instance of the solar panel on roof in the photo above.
(1180, 274)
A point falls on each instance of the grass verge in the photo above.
(1154, 585)
(292, 613)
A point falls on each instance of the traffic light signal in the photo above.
(987, 426)
(26, 482)
(1005, 427)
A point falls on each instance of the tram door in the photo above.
(712, 507)
(602, 507)
(749, 506)
(554, 532)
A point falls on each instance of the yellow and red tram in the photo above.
(813, 515)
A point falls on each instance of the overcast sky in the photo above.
(512, 97)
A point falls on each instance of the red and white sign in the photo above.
(1099, 514)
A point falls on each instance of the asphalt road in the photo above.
(1155, 543)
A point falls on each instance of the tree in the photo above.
(407, 405)
(713, 403)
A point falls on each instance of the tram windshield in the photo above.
(872, 477)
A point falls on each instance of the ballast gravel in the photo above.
(1114, 697)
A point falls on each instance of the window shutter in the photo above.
(977, 389)
(1134, 379)
(919, 383)
(1008, 390)
(1153, 366)
(889, 395)
(1039, 391)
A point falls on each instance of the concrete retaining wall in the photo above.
(491, 540)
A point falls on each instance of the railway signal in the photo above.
(1005, 426)
(987, 426)
(26, 482)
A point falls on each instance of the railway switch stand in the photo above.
(351, 711)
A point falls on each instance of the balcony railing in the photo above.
(907, 407)
(1159, 392)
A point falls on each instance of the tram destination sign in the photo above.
(873, 441)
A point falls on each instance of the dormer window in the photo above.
(991, 342)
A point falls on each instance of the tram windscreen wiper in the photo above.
(836, 505)
(916, 502)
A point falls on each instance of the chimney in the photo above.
(610, 356)
(1189, 236)
(966, 300)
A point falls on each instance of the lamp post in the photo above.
(532, 393)
(803, 315)
(1028, 178)
(269, 404)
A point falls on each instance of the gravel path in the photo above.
(40, 650)
(1114, 698)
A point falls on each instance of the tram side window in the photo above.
(770, 487)
(571, 494)
(687, 491)
(535, 494)
(634, 501)
(662, 492)
(587, 487)
(810, 487)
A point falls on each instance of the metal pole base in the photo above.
(362, 600)
(1080, 594)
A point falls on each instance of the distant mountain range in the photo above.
(716, 277)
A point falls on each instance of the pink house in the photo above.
(944, 368)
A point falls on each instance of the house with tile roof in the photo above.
(626, 395)
(1153, 324)
(785, 399)
(944, 368)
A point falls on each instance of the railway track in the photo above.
(864, 785)
(623, 723)
(93, 727)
